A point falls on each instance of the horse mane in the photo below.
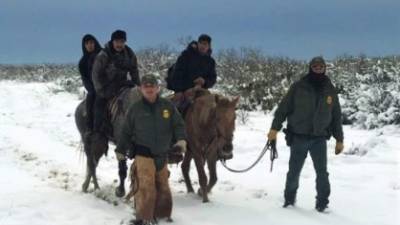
(204, 105)
(200, 92)
(222, 101)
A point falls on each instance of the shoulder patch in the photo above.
(166, 114)
(329, 100)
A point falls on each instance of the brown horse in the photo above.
(210, 123)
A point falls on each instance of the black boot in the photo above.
(321, 206)
(290, 199)
(288, 202)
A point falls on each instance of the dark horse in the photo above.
(97, 145)
(210, 123)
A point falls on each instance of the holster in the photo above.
(288, 136)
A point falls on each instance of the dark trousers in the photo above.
(298, 154)
(100, 105)
(182, 105)
(90, 99)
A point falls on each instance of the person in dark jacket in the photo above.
(313, 114)
(150, 126)
(110, 73)
(90, 48)
(194, 68)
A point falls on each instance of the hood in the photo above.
(192, 48)
(316, 60)
(96, 43)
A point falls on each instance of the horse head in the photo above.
(225, 122)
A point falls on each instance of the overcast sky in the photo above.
(36, 31)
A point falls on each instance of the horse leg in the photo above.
(86, 183)
(212, 168)
(91, 173)
(122, 172)
(99, 147)
(185, 171)
(94, 176)
(89, 167)
(202, 178)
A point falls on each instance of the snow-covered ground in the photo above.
(42, 168)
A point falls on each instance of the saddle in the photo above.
(115, 107)
(190, 95)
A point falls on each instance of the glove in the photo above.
(199, 82)
(272, 135)
(120, 156)
(339, 148)
(180, 145)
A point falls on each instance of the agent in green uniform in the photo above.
(150, 127)
(313, 114)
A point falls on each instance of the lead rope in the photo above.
(270, 145)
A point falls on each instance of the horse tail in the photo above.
(80, 122)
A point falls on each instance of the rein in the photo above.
(271, 145)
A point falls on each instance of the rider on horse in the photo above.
(110, 74)
(194, 68)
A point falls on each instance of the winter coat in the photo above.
(311, 111)
(150, 128)
(86, 63)
(190, 66)
(111, 69)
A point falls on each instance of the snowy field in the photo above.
(42, 169)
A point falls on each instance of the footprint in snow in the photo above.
(259, 194)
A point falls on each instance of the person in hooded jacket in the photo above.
(313, 114)
(90, 48)
(194, 68)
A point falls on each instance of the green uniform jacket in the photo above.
(310, 112)
(152, 126)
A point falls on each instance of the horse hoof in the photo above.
(206, 200)
(200, 192)
(85, 187)
(120, 192)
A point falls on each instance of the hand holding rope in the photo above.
(271, 145)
